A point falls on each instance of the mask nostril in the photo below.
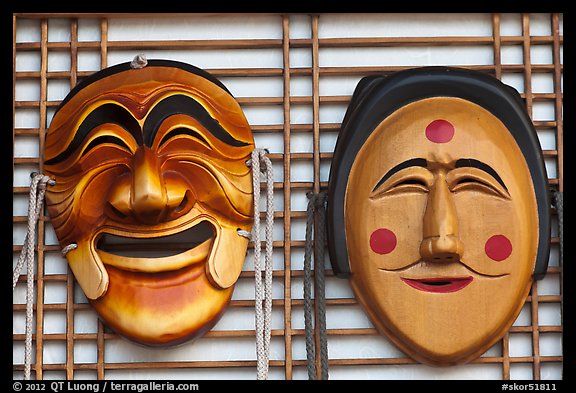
(182, 204)
(185, 203)
(116, 212)
(441, 249)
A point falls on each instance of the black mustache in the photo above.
(406, 267)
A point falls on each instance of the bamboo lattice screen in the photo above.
(69, 341)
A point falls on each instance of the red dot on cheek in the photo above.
(383, 241)
(440, 131)
(498, 248)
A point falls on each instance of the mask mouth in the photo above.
(159, 253)
(439, 284)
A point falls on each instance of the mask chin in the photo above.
(227, 257)
(88, 270)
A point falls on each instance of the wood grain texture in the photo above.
(441, 253)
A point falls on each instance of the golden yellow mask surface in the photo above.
(144, 159)
(445, 230)
(445, 211)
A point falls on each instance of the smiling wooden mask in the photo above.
(439, 182)
(144, 159)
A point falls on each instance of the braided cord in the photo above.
(35, 203)
(263, 291)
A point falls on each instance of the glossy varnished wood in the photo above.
(145, 154)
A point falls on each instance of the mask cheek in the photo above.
(392, 239)
(91, 197)
(82, 218)
(490, 233)
(383, 241)
(498, 248)
(391, 248)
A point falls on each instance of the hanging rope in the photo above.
(263, 291)
(316, 207)
(35, 204)
(559, 203)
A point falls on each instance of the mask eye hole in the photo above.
(184, 131)
(472, 183)
(105, 139)
(412, 182)
(474, 179)
(414, 179)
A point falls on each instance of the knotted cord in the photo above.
(263, 291)
(316, 207)
(139, 61)
(35, 205)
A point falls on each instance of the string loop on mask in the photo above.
(35, 204)
(139, 61)
(243, 233)
(316, 208)
(68, 248)
(263, 290)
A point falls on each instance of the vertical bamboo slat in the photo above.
(41, 221)
(287, 198)
(497, 46)
(558, 100)
(100, 334)
(497, 54)
(70, 276)
(559, 132)
(526, 55)
(316, 168)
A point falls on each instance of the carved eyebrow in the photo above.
(181, 104)
(105, 114)
(408, 163)
(471, 162)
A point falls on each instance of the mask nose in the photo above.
(440, 243)
(148, 196)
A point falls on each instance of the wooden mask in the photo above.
(144, 159)
(439, 182)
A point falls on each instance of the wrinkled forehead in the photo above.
(142, 83)
(137, 92)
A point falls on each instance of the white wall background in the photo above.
(270, 26)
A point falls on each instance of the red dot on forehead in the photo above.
(498, 248)
(440, 131)
(383, 241)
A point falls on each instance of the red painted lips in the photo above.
(440, 284)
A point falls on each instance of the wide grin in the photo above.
(438, 284)
(157, 254)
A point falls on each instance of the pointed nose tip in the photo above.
(441, 249)
(148, 210)
(148, 195)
